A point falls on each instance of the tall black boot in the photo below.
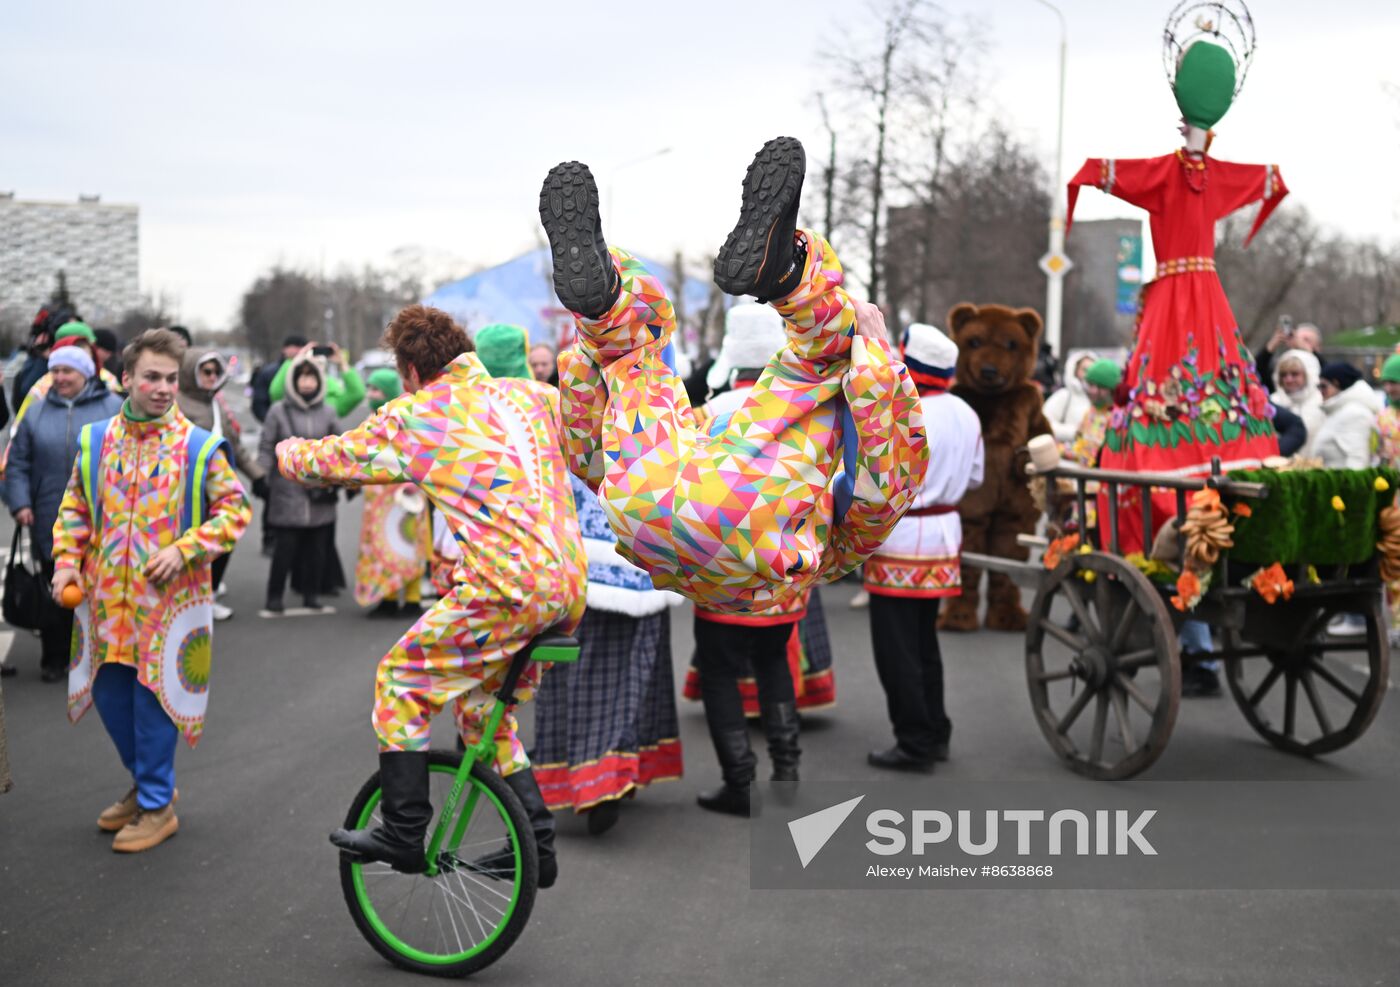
(781, 726)
(736, 766)
(500, 864)
(405, 811)
(527, 789)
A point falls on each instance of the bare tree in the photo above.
(157, 310)
(279, 302)
(877, 76)
(828, 172)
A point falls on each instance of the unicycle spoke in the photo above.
(462, 917)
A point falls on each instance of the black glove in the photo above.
(261, 488)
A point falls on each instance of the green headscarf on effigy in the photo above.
(1205, 84)
(386, 381)
(504, 350)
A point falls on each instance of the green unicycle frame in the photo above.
(450, 830)
(546, 648)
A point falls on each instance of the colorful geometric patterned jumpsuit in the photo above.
(487, 453)
(742, 516)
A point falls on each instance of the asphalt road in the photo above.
(248, 892)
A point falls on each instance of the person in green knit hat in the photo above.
(1100, 381)
(395, 532)
(504, 350)
(1388, 422)
(70, 334)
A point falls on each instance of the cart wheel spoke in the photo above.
(1315, 702)
(1076, 602)
(1290, 704)
(1103, 602)
(1137, 659)
(1135, 694)
(1064, 673)
(1067, 638)
(1328, 676)
(1100, 725)
(1348, 644)
(1265, 685)
(1120, 713)
(1073, 712)
(1125, 622)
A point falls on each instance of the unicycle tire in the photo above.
(460, 920)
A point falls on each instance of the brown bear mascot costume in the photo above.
(997, 349)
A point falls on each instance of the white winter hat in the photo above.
(928, 351)
(752, 334)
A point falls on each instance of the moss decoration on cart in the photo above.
(1309, 518)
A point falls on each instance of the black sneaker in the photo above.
(760, 257)
(274, 605)
(1199, 682)
(585, 278)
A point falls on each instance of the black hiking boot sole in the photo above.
(758, 251)
(585, 278)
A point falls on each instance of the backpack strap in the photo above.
(199, 450)
(90, 441)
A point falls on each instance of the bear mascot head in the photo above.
(997, 346)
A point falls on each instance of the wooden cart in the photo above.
(1102, 656)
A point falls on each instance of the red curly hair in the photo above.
(426, 339)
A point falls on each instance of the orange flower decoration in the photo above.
(1272, 584)
(1058, 549)
(1188, 588)
(1242, 509)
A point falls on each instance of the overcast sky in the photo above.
(325, 134)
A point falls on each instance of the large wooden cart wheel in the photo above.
(1102, 666)
(1302, 690)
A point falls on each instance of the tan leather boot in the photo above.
(118, 814)
(149, 827)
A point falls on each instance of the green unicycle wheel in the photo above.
(473, 901)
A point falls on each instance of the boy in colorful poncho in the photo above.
(806, 478)
(487, 453)
(153, 501)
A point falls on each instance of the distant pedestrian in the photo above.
(42, 453)
(261, 383)
(544, 364)
(301, 518)
(202, 378)
(395, 531)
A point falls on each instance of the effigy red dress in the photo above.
(1193, 394)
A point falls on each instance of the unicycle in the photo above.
(471, 903)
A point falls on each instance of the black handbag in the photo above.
(27, 602)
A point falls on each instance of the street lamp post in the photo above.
(628, 164)
(1055, 264)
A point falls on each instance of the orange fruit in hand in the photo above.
(70, 596)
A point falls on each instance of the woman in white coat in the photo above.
(1346, 438)
(1065, 408)
(1296, 375)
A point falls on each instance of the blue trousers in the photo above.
(1195, 640)
(142, 732)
